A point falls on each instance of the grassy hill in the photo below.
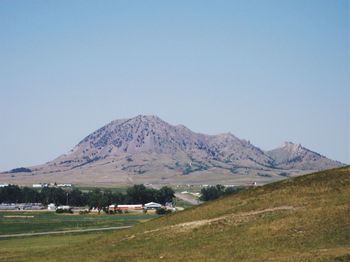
(302, 219)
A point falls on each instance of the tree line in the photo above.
(96, 198)
(214, 192)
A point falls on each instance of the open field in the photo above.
(31, 222)
(302, 219)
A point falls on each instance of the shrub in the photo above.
(162, 211)
(84, 212)
(61, 211)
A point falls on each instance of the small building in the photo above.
(64, 208)
(112, 208)
(31, 206)
(64, 185)
(129, 207)
(51, 207)
(8, 206)
(152, 205)
(40, 185)
(4, 185)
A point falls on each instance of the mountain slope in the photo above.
(300, 219)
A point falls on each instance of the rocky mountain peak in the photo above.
(151, 140)
(291, 145)
(291, 155)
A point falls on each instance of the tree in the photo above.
(233, 190)
(10, 194)
(164, 195)
(162, 211)
(30, 195)
(118, 198)
(53, 195)
(214, 192)
(139, 194)
(76, 198)
(98, 199)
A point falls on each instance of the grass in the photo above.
(24, 249)
(50, 221)
(300, 219)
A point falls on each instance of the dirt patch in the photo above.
(230, 219)
(227, 219)
(18, 216)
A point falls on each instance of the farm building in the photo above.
(6, 206)
(51, 207)
(152, 205)
(64, 185)
(125, 207)
(31, 206)
(64, 207)
(130, 207)
(40, 185)
(21, 206)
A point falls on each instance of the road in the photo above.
(185, 197)
(63, 232)
(188, 198)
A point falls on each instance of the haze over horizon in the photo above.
(267, 72)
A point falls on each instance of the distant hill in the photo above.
(146, 149)
(20, 170)
(300, 219)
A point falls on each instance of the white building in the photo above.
(51, 207)
(152, 205)
(10, 206)
(129, 207)
(64, 207)
(40, 185)
(64, 185)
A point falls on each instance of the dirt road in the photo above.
(188, 198)
(185, 197)
(63, 232)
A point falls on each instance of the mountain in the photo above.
(146, 149)
(301, 219)
(295, 156)
(150, 134)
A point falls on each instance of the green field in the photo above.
(50, 221)
(301, 219)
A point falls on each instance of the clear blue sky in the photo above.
(266, 71)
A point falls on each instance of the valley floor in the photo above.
(301, 219)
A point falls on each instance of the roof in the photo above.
(153, 204)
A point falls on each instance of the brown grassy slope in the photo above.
(303, 219)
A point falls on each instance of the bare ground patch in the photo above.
(231, 219)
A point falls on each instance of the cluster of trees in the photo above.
(97, 198)
(214, 192)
